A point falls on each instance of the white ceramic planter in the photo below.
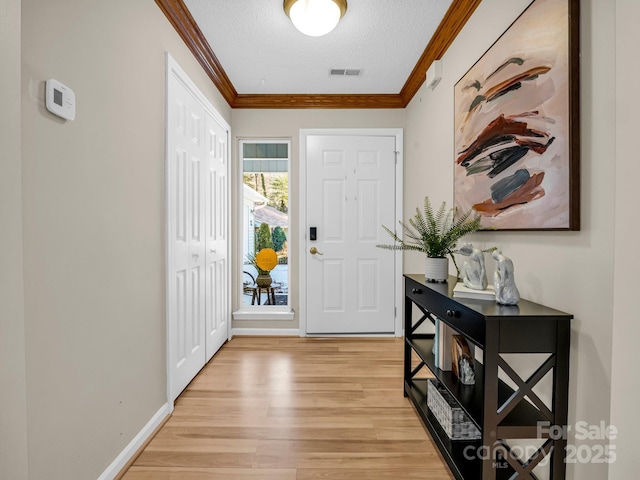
(436, 269)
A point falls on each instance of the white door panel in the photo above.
(333, 210)
(217, 304)
(350, 191)
(185, 220)
(332, 297)
(368, 285)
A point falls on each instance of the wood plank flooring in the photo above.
(294, 409)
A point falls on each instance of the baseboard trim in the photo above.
(266, 332)
(115, 470)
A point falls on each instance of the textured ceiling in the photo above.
(262, 52)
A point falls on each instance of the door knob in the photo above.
(314, 251)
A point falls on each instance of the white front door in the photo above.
(350, 193)
(197, 230)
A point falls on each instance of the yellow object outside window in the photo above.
(266, 259)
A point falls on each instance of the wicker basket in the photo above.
(456, 424)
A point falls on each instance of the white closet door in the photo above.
(216, 254)
(197, 225)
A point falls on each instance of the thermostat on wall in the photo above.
(60, 100)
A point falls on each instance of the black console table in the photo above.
(500, 412)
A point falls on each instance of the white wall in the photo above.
(625, 390)
(287, 124)
(570, 271)
(94, 216)
(13, 412)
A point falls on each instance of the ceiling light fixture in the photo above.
(315, 17)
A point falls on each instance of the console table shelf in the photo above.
(500, 412)
(453, 451)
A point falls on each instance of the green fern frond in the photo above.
(434, 233)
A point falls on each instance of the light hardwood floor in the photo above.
(294, 409)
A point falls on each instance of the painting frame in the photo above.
(517, 124)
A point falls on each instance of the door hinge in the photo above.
(395, 312)
(395, 153)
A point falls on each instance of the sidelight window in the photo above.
(265, 228)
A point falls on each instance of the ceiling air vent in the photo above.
(345, 72)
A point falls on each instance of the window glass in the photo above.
(265, 176)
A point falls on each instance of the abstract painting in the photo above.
(517, 142)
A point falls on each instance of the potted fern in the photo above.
(435, 234)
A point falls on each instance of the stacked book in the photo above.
(461, 291)
(442, 344)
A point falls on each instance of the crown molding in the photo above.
(181, 19)
(456, 17)
(318, 101)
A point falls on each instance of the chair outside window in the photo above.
(249, 287)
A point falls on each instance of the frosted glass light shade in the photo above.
(315, 17)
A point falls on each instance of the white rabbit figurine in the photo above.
(503, 281)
